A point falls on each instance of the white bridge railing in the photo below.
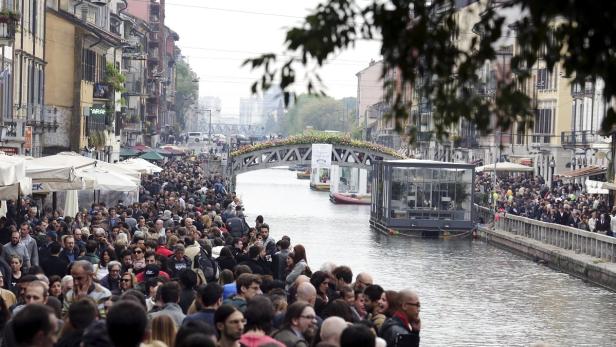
(569, 238)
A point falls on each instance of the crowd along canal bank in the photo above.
(589, 256)
(472, 292)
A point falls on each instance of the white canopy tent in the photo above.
(108, 180)
(13, 180)
(504, 167)
(58, 172)
(120, 169)
(598, 187)
(141, 165)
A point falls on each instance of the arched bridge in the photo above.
(298, 150)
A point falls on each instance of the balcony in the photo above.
(153, 54)
(572, 139)
(133, 87)
(466, 142)
(153, 38)
(424, 136)
(8, 25)
(133, 127)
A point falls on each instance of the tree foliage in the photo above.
(114, 77)
(319, 113)
(419, 42)
(187, 90)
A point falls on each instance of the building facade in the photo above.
(370, 92)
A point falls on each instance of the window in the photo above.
(546, 79)
(88, 62)
(543, 79)
(520, 133)
(543, 125)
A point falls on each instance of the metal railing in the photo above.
(577, 138)
(565, 237)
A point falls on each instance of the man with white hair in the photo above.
(160, 228)
(67, 284)
(328, 267)
(331, 329)
(84, 286)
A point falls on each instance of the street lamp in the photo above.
(209, 133)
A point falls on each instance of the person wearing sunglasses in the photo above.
(402, 329)
(127, 282)
(139, 258)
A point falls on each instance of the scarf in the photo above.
(402, 316)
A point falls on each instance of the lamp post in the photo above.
(209, 133)
(551, 172)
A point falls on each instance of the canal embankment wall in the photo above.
(589, 256)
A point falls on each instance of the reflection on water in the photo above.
(471, 293)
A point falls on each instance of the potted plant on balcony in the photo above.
(8, 23)
(7, 16)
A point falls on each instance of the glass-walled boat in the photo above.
(422, 197)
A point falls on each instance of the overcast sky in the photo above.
(217, 36)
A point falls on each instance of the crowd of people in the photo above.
(564, 203)
(180, 268)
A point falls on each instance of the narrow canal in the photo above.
(472, 294)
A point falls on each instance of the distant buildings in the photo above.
(256, 111)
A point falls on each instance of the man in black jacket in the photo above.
(54, 265)
(603, 223)
(402, 329)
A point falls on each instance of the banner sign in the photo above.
(321, 155)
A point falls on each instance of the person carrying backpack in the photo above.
(206, 263)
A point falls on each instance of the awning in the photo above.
(584, 172)
(597, 187)
(109, 180)
(57, 172)
(152, 156)
(11, 192)
(140, 165)
(128, 152)
(504, 167)
(12, 169)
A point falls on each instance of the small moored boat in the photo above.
(304, 175)
(350, 199)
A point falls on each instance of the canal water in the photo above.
(472, 293)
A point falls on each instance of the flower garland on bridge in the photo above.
(317, 138)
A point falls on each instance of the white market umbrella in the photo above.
(505, 167)
(121, 169)
(12, 169)
(13, 179)
(140, 165)
(11, 192)
(71, 203)
(57, 172)
(109, 181)
(3, 208)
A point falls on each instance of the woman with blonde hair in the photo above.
(122, 239)
(207, 222)
(173, 240)
(163, 329)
